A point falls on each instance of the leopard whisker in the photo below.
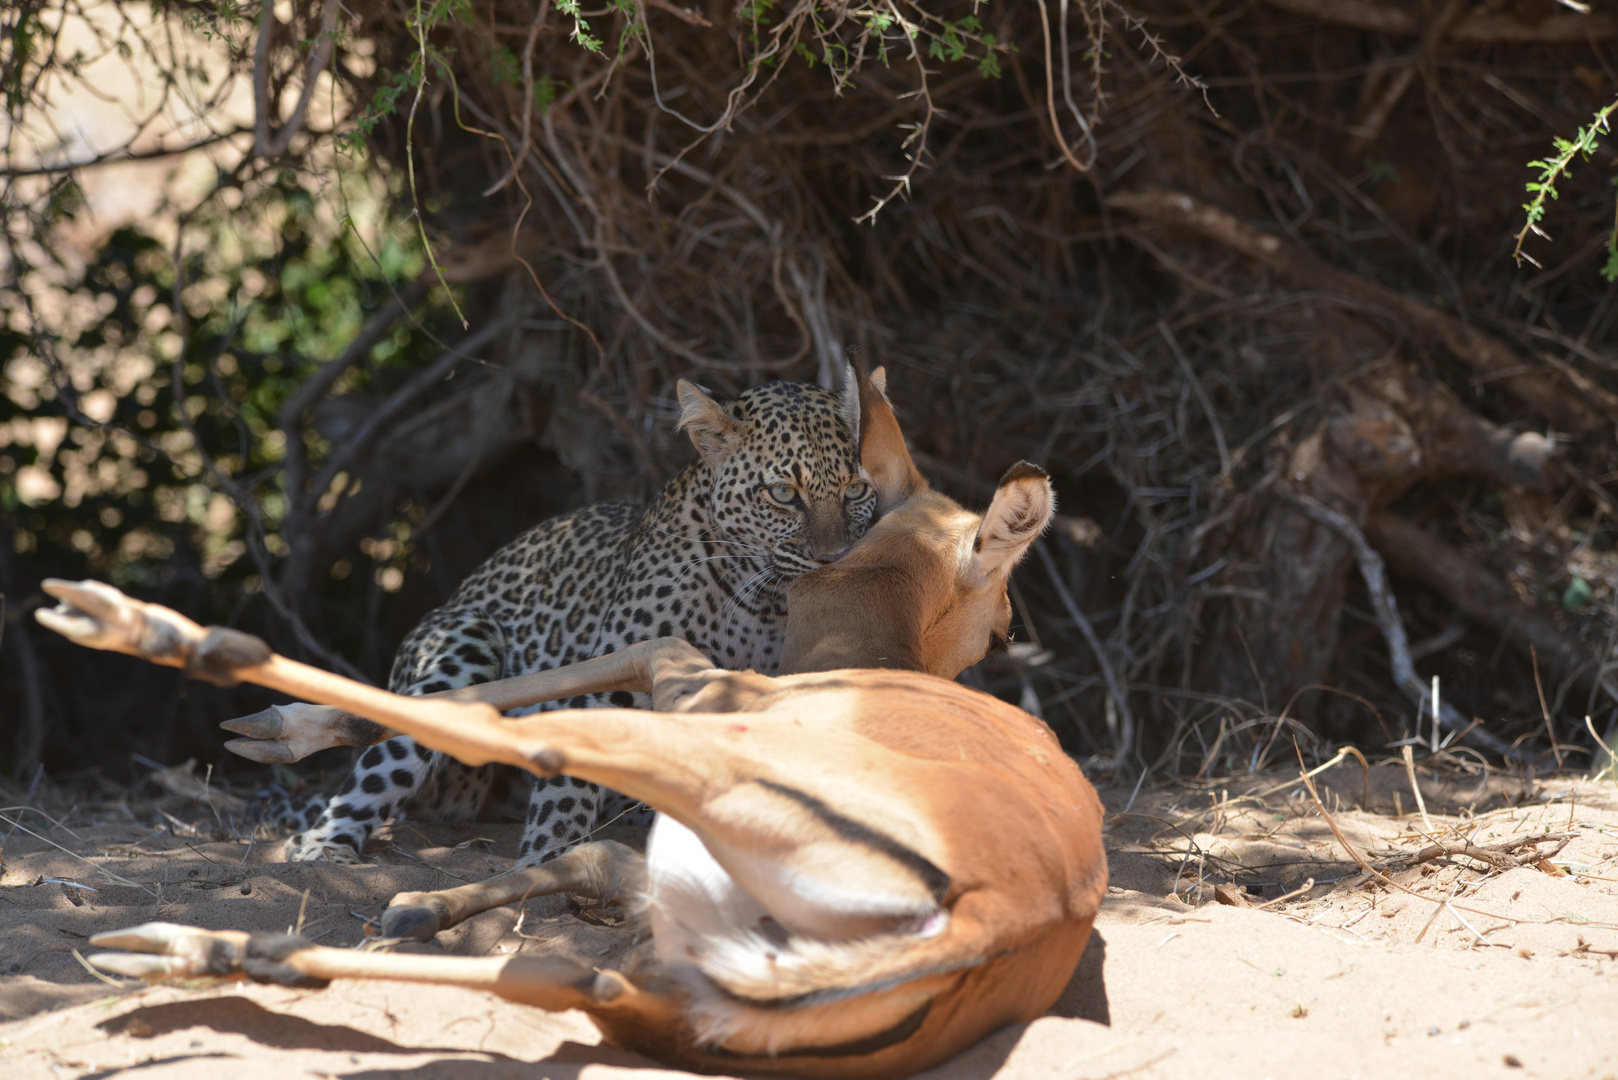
(689, 564)
(754, 586)
(740, 594)
(702, 537)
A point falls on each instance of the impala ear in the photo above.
(714, 432)
(848, 402)
(882, 446)
(1022, 507)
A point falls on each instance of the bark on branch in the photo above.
(1479, 594)
(263, 144)
(1476, 27)
(1570, 408)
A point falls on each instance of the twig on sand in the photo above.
(1421, 803)
(117, 879)
(1308, 884)
(1345, 751)
(1502, 856)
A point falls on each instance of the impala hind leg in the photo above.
(605, 870)
(159, 951)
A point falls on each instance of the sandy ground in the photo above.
(1454, 968)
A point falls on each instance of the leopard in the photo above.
(776, 490)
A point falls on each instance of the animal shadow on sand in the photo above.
(239, 1016)
(1086, 995)
(1085, 998)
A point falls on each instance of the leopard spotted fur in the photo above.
(777, 490)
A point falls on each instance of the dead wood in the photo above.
(1520, 24)
(1569, 407)
(699, 204)
(1385, 431)
(1482, 594)
(1506, 855)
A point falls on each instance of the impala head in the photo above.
(925, 590)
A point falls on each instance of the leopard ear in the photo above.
(714, 432)
(1022, 507)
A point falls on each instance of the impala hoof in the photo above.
(413, 923)
(138, 966)
(260, 750)
(160, 950)
(152, 937)
(260, 725)
(82, 608)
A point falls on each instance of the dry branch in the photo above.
(1501, 856)
(991, 292)
(264, 145)
(1568, 408)
(1386, 609)
(1480, 593)
(1474, 27)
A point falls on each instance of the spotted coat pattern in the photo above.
(778, 491)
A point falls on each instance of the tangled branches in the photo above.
(1203, 261)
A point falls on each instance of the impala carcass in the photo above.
(858, 870)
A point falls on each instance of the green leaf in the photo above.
(1577, 594)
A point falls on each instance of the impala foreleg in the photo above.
(605, 871)
(286, 733)
(159, 951)
(283, 734)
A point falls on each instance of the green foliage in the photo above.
(128, 497)
(1576, 595)
(546, 91)
(384, 103)
(222, 20)
(581, 29)
(19, 42)
(947, 44)
(1582, 145)
(504, 68)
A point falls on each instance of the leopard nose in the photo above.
(830, 557)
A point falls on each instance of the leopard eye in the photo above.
(782, 493)
(856, 490)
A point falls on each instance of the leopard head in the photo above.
(786, 470)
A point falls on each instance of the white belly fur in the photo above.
(752, 987)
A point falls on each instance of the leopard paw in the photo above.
(301, 847)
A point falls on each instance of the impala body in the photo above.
(858, 870)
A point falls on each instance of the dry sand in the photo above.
(1473, 972)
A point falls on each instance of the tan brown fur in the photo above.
(912, 921)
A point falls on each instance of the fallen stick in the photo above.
(1500, 856)
(1480, 595)
(1386, 609)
